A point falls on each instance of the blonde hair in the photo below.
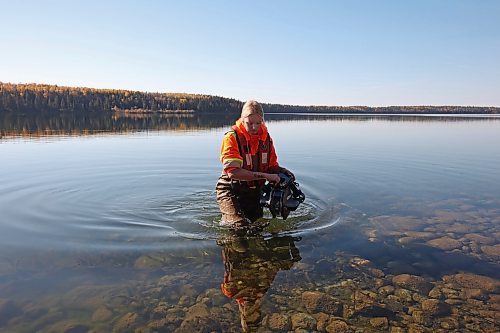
(251, 107)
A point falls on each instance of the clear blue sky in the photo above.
(415, 52)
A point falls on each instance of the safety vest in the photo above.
(258, 162)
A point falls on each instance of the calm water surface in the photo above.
(111, 224)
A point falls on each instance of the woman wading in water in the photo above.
(249, 160)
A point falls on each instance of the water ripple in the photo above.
(157, 192)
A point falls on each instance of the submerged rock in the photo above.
(460, 228)
(198, 310)
(385, 291)
(495, 301)
(320, 302)
(491, 250)
(435, 293)
(212, 297)
(445, 243)
(449, 323)
(480, 239)
(322, 320)
(199, 319)
(91, 297)
(159, 311)
(473, 281)
(376, 311)
(69, 326)
(413, 282)
(435, 308)
(380, 322)
(127, 323)
(338, 326)
(170, 279)
(102, 314)
(420, 234)
(198, 325)
(474, 293)
(279, 322)
(422, 318)
(363, 299)
(406, 240)
(394, 304)
(416, 236)
(446, 216)
(303, 320)
(149, 262)
(185, 300)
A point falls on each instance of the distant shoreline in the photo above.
(34, 97)
(395, 114)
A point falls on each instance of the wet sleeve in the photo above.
(229, 153)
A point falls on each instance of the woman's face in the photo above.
(252, 123)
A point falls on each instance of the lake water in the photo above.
(109, 223)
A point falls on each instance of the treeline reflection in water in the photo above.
(42, 124)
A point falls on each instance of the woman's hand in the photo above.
(273, 178)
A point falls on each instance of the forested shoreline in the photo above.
(42, 97)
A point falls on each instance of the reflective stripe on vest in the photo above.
(261, 158)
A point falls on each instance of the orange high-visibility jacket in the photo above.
(239, 149)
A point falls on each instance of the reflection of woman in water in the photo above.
(250, 266)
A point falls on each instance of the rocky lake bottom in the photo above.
(437, 272)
